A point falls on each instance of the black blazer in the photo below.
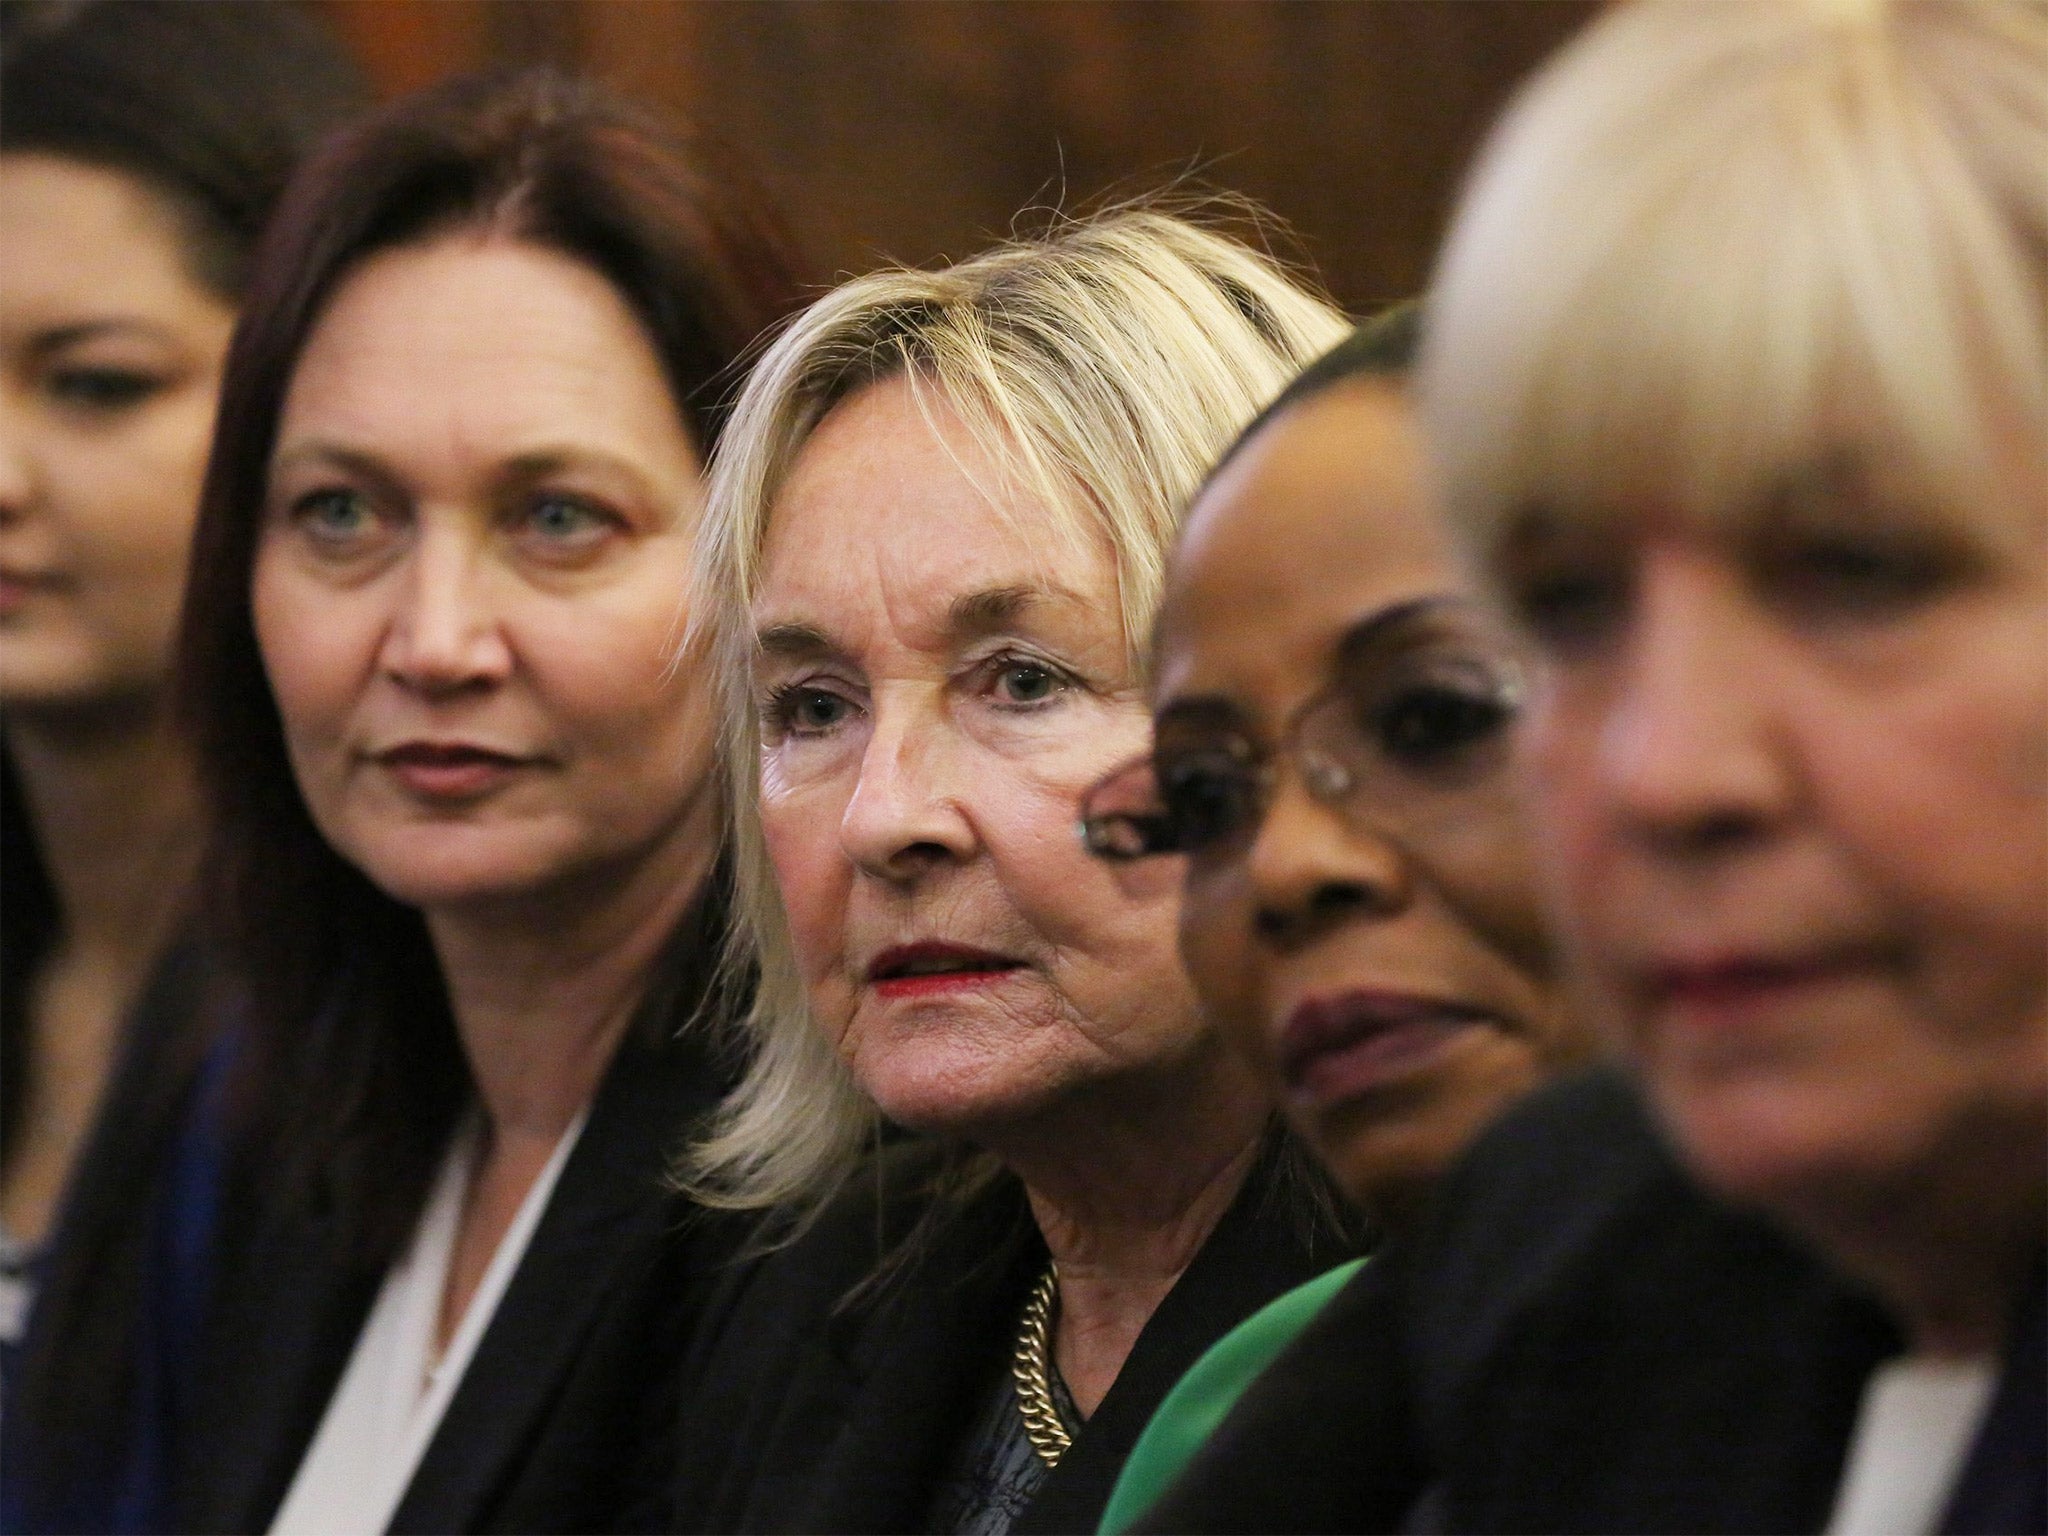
(568, 1402)
(1582, 1342)
(810, 1411)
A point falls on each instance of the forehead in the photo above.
(482, 347)
(76, 240)
(1319, 521)
(893, 523)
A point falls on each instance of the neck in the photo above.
(1953, 1250)
(543, 988)
(117, 823)
(1126, 1183)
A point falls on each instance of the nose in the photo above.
(446, 634)
(1690, 754)
(907, 815)
(1311, 869)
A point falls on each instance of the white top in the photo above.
(384, 1413)
(1916, 1424)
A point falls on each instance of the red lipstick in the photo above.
(932, 967)
(1725, 990)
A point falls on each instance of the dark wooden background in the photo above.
(919, 128)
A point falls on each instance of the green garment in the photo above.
(1201, 1399)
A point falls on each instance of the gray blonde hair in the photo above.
(1101, 367)
(1705, 233)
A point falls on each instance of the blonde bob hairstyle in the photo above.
(1101, 367)
(1711, 244)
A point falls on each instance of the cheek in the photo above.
(606, 683)
(1940, 802)
(1215, 943)
(1560, 794)
(1216, 948)
(126, 505)
(801, 830)
(1081, 904)
(313, 649)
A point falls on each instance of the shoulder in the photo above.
(1591, 1340)
(899, 1224)
(830, 1369)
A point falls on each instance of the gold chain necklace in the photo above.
(1041, 1414)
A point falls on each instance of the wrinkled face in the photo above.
(110, 358)
(471, 572)
(938, 681)
(1794, 781)
(1380, 955)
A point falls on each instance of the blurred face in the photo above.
(938, 682)
(110, 359)
(1364, 924)
(1794, 780)
(471, 573)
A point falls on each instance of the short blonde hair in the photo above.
(1102, 367)
(1707, 236)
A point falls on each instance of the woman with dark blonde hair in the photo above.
(935, 540)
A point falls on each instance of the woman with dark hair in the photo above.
(141, 148)
(467, 829)
(1334, 712)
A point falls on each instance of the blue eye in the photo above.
(334, 516)
(566, 519)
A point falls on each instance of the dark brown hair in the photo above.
(207, 106)
(352, 1073)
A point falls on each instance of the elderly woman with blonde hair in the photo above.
(1737, 384)
(935, 539)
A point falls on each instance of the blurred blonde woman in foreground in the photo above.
(1737, 375)
(935, 541)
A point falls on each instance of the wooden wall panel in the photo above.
(918, 130)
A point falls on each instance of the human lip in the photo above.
(1340, 1045)
(931, 967)
(18, 582)
(450, 770)
(1727, 988)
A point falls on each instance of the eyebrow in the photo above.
(996, 608)
(793, 642)
(59, 337)
(521, 469)
(968, 617)
(1375, 628)
(1362, 636)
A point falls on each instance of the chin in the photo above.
(430, 872)
(964, 1100)
(50, 679)
(1389, 1172)
(1786, 1147)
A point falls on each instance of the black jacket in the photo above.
(1582, 1342)
(806, 1414)
(568, 1401)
